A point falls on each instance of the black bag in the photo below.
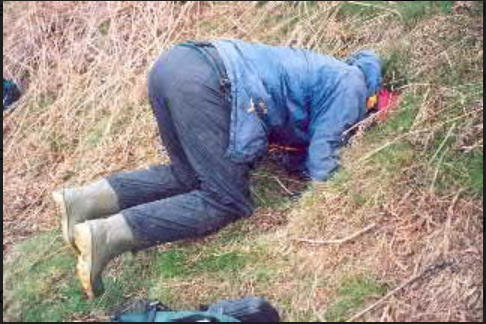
(11, 94)
(251, 310)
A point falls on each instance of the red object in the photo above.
(387, 101)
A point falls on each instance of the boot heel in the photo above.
(93, 287)
(59, 198)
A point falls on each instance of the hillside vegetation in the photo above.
(416, 181)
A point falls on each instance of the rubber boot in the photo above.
(76, 206)
(99, 242)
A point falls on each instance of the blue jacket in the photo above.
(295, 98)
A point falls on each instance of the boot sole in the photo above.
(60, 201)
(84, 243)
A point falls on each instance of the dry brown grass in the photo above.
(85, 115)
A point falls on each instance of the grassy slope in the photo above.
(419, 177)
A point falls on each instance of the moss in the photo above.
(352, 295)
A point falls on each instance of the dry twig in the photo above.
(341, 241)
(407, 283)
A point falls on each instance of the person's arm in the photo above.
(343, 109)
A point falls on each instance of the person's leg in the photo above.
(99, 241)
(109, 196)
(201, 116)
(144, 186)
(139, 187)
(201, 119)
(77, 205)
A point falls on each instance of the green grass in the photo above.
(39, 280)
(408, 11)
(462, 171)
(223, 269)
(184, 262)
(352, 295)
(396, 68)
(461, 69)
(399, 122)
(414, 10)
(268, 192)
(222, 262)
(451, 168)
(474, 167)
(40, 283)
(455, 169)
(172, 264)
(395, 155)
(341, 179)
(236, 233)
(384, 158)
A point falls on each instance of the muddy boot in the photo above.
(78, 205)
(99, 242)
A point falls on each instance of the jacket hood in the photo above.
(372, 67)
